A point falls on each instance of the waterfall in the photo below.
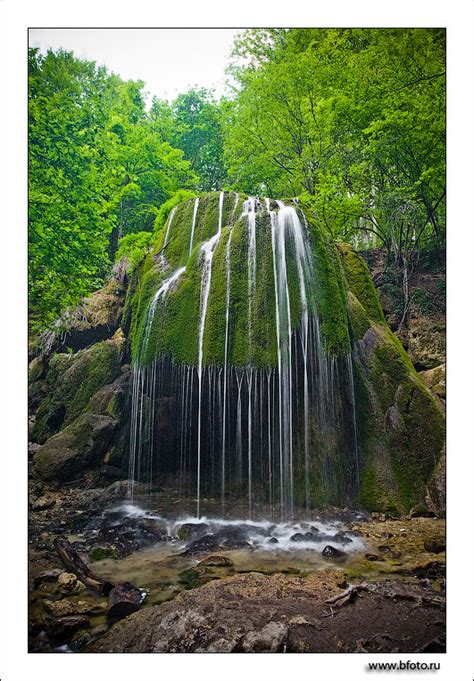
(249, 211)
(226, 351)
(170, 220)
(264, 440)
(193, 225)
(208, 249)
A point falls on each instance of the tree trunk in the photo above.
(74, 563)
(124, 599)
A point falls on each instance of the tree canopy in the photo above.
(351, 121)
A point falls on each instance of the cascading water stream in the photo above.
(208, 249)
(170, 220)
(193, 225)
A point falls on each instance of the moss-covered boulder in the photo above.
(73, 379)
(401, 424)
(77, 448)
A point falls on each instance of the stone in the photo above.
(191, 530)
(331, 553)
(435, 379)
(43, 504)
(68, 583)
(435, 498)
(204, 544)
(273, 540)
(80, 640)
(435, 545)
(270, 639)
(427, 343)
(372, 557)
(62, 627)
(78, 447)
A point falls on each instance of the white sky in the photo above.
(169, 61)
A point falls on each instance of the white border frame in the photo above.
(15, 17)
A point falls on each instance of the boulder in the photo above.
(435, 379)
(426, 343)
(80, 446)
(331, 553)
(269, 639)
(72, 380)
(435, 545)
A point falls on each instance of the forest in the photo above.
(349, 121)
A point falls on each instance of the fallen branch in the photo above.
(354, 590)
(74, 563)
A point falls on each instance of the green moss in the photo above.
(330, 293)
(103, 552)
(74, 379)
(360, 282)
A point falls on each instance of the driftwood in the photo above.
(74, 563)
(124, 599)
(353, 591)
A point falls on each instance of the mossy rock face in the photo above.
(78, 447)
(173, 329)
(74, 379)
(403, 426)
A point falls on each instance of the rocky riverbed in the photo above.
(222, 585)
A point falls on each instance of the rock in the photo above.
(233, 537)
(80, 640)
(47, 576)
(217, 561)
(435, 498)
(380, 517)
(63, 627)
(435, 379)
(33, 448)
(427, 343)
(421, 511)
(270, 639)
(103, 551)
(119, 490)
(78, 447)
(435, 545)
(372, 556)
(273, 540)
(431, 570)
(331, 553)
(73, 381)
(43, 504)
(65, 608)
(191, 530)
(192, 578)
(68, 583)
(297, 537)
(129, 534)
(36, 369)
(205, 544)
(342, 538)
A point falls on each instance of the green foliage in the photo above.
(352, 118)
(134, 247)
(97, 172)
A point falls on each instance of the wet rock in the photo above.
(191, 530)
(43, 504)
(435, 545)
(63, 627)
(233, 537)
(273, 540)
(217, 561)
(47, 576)
(205, 544)
(192, 578)
(331, 553)
(432, 570)
(372, 557)
(298, 537)
(270, 639)
(130, 534)
(342, 538)
(68, 583)
(80, 640)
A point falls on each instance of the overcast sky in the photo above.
(169, 61)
